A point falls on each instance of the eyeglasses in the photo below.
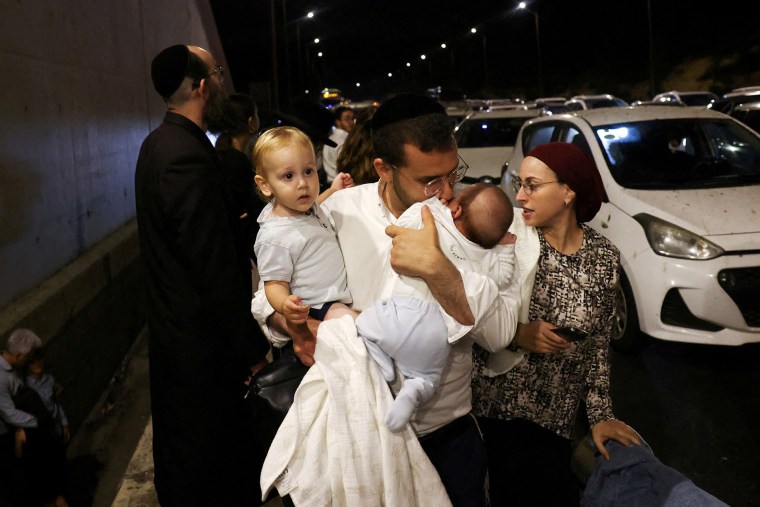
(432, 187)
(217, 70)
(529, 186)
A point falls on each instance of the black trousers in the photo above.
(528, 465)
(458, 453)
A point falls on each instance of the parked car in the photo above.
(457, 111)
(690, 99)
(638, 103)
(549, 105)
(749, 114)
(684, 193)
(486, 138)
(580, 102)
(730, 100)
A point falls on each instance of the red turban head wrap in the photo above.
(578, 171)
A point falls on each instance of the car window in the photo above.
(486, 132)
(596, 104)
(751, 118)
(537, 134)
(701, 99)
(683, 153)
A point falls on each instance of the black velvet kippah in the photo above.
(169, 68)
(405, 106)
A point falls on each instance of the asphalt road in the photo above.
(697, 407)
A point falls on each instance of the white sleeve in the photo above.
(261, 310)
(275, 262)
(330, 161)
(495, 311)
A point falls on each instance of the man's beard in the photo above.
(217, 113)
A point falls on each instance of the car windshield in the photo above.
(598, 103)
(680, 154)
(697, 99)
(485, 132)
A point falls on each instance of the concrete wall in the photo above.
(75, 104)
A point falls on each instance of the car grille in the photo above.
(676, 313)
(741, 284)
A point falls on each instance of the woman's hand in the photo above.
(537, 336)
(616, 430)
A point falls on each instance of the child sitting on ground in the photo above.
(44, 383)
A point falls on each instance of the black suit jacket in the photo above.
(202, 334)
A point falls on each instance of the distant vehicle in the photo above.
(332, 97)
(749, 114)
(689, 99)
(730, 100)
(683, 187)
(580, 102)
(637, 103)
(492, 104)
(549, 105)
(457, 110)
(486, 138)
(550, 101)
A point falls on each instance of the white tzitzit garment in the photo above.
(333, 448)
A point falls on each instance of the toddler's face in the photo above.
(291, 178)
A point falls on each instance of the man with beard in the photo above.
(204, 342)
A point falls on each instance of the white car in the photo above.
(486, 138)
(684, 211)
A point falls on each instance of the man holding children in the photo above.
(416, 157)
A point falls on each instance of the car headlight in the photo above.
(672, 241)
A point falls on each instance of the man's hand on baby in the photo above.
(415, 251)
(341, 181)
(293, 311)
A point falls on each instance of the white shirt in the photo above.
(359, 218)
(330, 154)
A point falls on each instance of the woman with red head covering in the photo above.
(527, 397)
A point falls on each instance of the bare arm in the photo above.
(341, 181)
(279, 296)
(303, 345)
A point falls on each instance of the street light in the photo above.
(474, 30)
(524, 5)
(309, 15)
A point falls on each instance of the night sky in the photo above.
(586, 45)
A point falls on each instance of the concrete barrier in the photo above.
(88, 314)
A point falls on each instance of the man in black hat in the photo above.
(203, 341)
(416, 158)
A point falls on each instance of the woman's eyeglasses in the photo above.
(529, 186)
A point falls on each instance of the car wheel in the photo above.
(626, 337)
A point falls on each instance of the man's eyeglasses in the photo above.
(529, 186)
(217, 70)
(432, 187)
